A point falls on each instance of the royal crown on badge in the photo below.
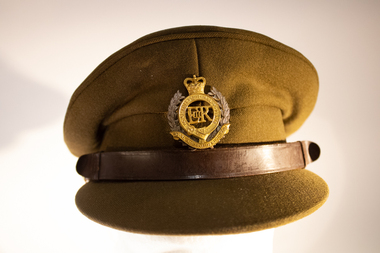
(199, 120)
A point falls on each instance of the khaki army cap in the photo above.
(183, 132)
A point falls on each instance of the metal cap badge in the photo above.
(199, 120)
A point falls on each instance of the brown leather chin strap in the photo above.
(198, 164)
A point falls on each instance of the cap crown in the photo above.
(270, 88)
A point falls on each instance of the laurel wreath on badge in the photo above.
(199, 120)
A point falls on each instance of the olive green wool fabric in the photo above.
(271, 89)
(201, 207)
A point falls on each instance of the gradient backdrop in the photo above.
(48, 47)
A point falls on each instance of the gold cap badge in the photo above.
(199, 120)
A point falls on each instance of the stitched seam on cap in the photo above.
(197, 55)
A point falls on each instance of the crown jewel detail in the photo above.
(195, 85)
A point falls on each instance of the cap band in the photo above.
(199, 164)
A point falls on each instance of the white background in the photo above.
(47, 48)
